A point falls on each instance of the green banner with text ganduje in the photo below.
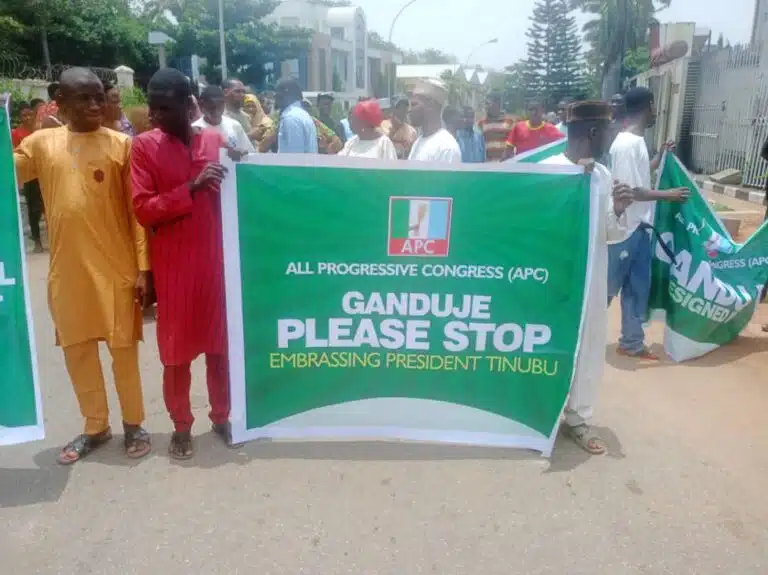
(706, 284)
(400, 300)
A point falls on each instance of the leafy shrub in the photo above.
(131, 97)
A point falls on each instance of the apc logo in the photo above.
(419, 226)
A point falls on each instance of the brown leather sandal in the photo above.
(181, 447)
(137, 441)
(82, 445)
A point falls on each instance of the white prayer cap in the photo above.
(435, 90)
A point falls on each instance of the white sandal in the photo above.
(583, 435)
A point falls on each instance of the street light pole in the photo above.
(466, 63)
(476, 48)
(391, 30)
(222, 42)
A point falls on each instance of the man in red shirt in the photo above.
(176, 179)
(26, 125)
(31, 189)
(532, 133)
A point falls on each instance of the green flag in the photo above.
(709, 292)
(20, 411)
(403, 300)
(542, 153)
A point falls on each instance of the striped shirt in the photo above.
(495, 133)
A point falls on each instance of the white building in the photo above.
(473, 82)
(340, 58)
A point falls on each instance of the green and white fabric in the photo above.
(21, 416)
(404, 300)
(709, 292)
(542, 153)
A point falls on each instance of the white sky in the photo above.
(456, 26)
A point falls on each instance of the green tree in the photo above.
(250, 43)
(429, 56)
(553, 67)
(617, 27)
(103, 33)
(592, 80)
(376, 41)
(458, 89)
(10, 29)
(637, 61)
(514, 88)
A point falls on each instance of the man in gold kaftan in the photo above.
(99, 260)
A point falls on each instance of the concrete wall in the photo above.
(32, 88)
(36, 88)
(668, 82)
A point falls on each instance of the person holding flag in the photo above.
(588, 131)
(629, 268)
(176, 178)
(99, 265)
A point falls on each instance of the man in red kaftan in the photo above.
(176, 183)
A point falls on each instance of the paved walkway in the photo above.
(742, 193)
(681, 492)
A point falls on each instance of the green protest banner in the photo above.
(403, 300)
(20, 410)
(709, 292)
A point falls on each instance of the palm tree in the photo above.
(618, 27)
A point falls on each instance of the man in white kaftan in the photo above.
(435, 144)
(587, 131)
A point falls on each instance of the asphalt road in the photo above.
(680, 492)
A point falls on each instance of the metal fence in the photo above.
(16, 68)
(729, 119)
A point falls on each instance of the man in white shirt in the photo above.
(435, 144)
(212, 106)
(629, 261)
(234, 95)
(588, 132)
(562, 112)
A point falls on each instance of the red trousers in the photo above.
(177, 381)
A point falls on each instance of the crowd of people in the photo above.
(134, 219)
